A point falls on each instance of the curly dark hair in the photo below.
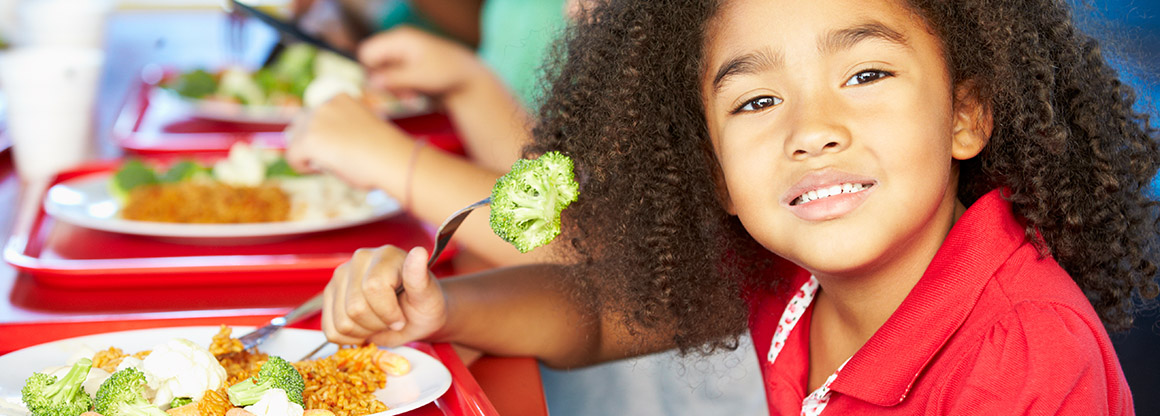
(655, 245)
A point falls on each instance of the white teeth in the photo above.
(845, 188)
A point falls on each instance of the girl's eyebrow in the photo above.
(746, 63)
(832, 42)
(843, 39)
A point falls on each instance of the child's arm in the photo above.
(521, 311)
(490, 120)
(343, 137)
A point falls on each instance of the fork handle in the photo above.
(307, 308)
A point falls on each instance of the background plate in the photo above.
(86, 202)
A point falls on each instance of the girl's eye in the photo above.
(758, 104)
(867, 76)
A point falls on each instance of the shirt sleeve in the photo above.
(1040, 359)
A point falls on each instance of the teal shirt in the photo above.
(516, 37)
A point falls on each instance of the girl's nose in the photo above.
(818, 130)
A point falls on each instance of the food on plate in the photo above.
(123, 394)
(231, 381)
(526, 202)
(301, 75)
(251, 185)
(275, 374)
(47, 395)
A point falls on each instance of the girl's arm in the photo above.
(343, 137)
(530, 310)
(489, 119)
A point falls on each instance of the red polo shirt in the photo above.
(990, 329)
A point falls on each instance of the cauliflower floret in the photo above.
(323, 88)
(275, 403)
(245, 165)
(181, 368)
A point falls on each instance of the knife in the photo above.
(291, 30)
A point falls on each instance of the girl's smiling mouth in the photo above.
(827, 195)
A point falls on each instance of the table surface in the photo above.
(33, 313)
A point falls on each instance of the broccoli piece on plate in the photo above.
(46, 396)
(131, 174)
(281, 167)
(194, 84)
(180, 401)
(181, 171)
(527, 201)
(121, 395)
(276, 373)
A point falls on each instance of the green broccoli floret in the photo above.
(281, 167)
(180, 401)
(526, 202)
(276, 373)
(131, 174)
(46, 396)
(195, 84)
(121, 395)
(181, 171)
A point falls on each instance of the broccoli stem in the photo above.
(68, 386)
(246, 392)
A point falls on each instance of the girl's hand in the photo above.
(408, 61)
(343, 137)
(360, 302)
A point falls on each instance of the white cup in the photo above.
(78, 23)
(50, 94)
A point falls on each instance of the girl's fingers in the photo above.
(332, 307)
(344, 323)
(379, 284)
(382, 49)
(296, 154)
(422, 293)
(358, 301)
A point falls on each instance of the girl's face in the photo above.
(836, 127)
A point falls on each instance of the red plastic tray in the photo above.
(152, 123)
(63, 255)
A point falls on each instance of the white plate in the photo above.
(427, 381)
(86, 202)
(265, 114)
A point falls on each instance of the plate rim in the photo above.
(56, 210)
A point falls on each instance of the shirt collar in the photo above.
(883, 370)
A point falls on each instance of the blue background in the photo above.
(1130, 32)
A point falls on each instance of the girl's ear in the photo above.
(973, 122)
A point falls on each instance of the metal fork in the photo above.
(442, 237)
(305, 310)
(236, 34)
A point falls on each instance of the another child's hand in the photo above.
(406, 61)
(360, 302)
(343, 137)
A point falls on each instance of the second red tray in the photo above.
(64, 255)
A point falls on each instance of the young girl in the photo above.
(962, 184)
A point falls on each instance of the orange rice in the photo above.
(344, 383)
(206, 202)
